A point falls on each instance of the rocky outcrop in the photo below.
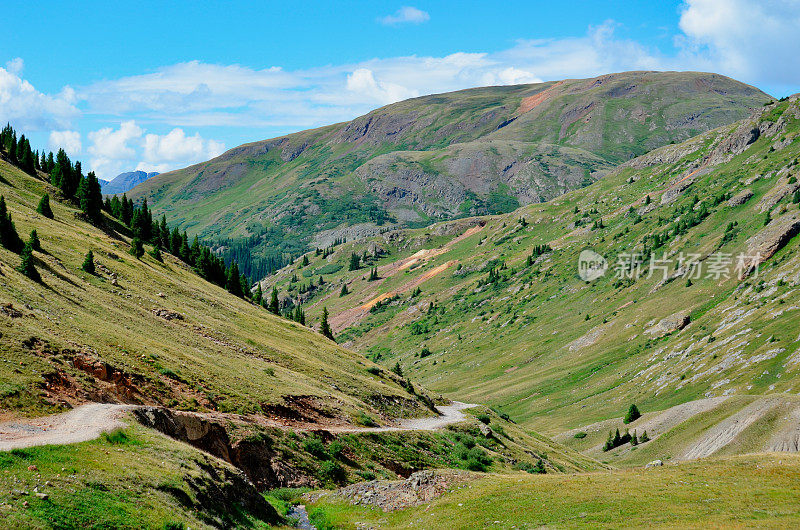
(421, 487)
(782, 188)
(740, 198)
(253, 455)
(669, 324)
(772, 238)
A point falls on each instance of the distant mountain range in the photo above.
(125, 181)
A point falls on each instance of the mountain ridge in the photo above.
(440, 156)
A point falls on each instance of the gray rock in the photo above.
(655, 463)
(740, 198)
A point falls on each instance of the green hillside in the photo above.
(477, 151)
(492, 309)
(262, 402)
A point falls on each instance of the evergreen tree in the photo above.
(156, 254)
(617, 440)
(8, 232)
(355, 262)
(274, 305)
(26, 266)
(88, 263)
(324, 327)
(373, 274)
(632, 415)
(258, 294)
(34, 241)
(90, 197)
(233, 282)
(644, 438)
(137, 247)
(634, 438)
(397, 369)
(344, 290)
(299, 315)
(305, 260)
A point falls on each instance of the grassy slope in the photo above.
(131, 478)
(756, 491)
(225, 354)
(289, 188)
(508, 343)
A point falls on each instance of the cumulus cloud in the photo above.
(752, 40)
(362, 81)
(69, 141)
(175, 149)
(405, 15)
(129, 147)
(31, 110)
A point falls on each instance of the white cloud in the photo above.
(27, 108)
(757, 41)
(405, 15)
(175, 149)
(128, 147)
(15, 65)
(70, 141)
(362, 81)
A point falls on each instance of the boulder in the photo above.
(669, 324)
(771, 239)
(655, 463)
(740, 198)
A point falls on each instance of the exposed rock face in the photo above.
(255, 457)
(779, 191)
(419, 488)
(669, 324)
(740, 198)
(773, 237)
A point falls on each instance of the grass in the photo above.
(752, 491)
(507, 343)
(129, 478)
(196, 362)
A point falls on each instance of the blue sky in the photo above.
(160, 85)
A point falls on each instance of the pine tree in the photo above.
(88, 263)
(34, 241)
(233, 282)
(609, 445)
(8, 232)
(155, 253)
(90, 197)
(632, 415)
(258, 294)
(355, 262)
(634, 438)
(305, 260)
(274, 305)
(344, 290)
(373, 274)
(617, 440)
(397, 369)
(299, 315)
(324, 327)
(644, 438)
(137, 247)
(26, 266)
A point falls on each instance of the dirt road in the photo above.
(88, 422)
(83, 423)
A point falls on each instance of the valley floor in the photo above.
(742, 491)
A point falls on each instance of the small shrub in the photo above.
(315, 447)
(580, 435)
(484, 418)
(332, 471)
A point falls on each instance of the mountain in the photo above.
(478, 151)
(126, 181)
(248, 401)
(494, 309)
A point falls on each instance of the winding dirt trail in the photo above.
(80, 424)
(88, 422)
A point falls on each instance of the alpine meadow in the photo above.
(460, 269)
